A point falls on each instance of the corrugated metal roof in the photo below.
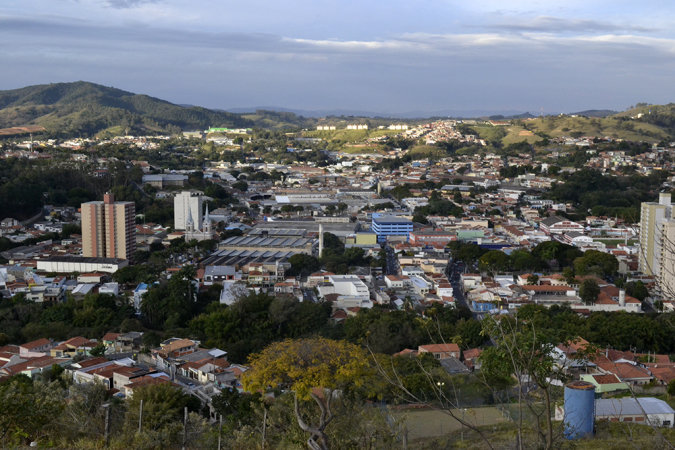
(631, 406)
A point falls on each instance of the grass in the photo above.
(616, 241)
(427, 151)
(516, 134)
(430, 423)
(349, 135)
(608, 126)
(503, 434)
(117, 130)
(356, 150)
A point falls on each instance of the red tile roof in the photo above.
(36, 344)
(443, 348)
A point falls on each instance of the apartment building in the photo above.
(108, 228)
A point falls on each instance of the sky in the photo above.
(380, 56)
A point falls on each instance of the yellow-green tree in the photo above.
(314, 369)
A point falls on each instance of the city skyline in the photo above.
(381, 57)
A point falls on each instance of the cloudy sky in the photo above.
(385, 56)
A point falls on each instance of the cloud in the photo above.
(126, 4)
(404, 71)
(556, 25)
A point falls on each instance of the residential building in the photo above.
(666, 279)
(652, 217)
(108, 228)
(440, 351)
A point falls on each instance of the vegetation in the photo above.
(85, 109)
(257, 320)
(590, 191)
(316, 369)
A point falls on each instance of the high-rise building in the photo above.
(652, 217)
(188, 205)
(108, 228)
(666, 279)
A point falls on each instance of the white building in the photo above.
(350, 290)
(646, 410)
(80, 264)
(186, 205)
(652, 217)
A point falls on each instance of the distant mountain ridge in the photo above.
(83, 108)
(87, 109)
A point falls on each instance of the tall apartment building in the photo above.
(188, 206)
(652, 217)
(657, 243)
(667, 277)
(108, 228)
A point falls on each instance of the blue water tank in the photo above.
(579, 409)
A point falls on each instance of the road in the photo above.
(453, 272)
(392, 261)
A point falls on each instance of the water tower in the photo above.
(579, 409)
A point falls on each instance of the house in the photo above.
(472, 358)
(126, 375)
(396, 281)
(605, 382)
(470, 280)
(72, 347)
(147, 380)
(440, 351)
(175, 347)
(33, 366)
(36, 348)
(453, 365)
(628, 372)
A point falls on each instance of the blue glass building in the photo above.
(385, 226)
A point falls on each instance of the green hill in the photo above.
(657, 126)
(85, 109)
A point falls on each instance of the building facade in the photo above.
(385, 226)
(108, 228)
(666, 279)
(187, 206)
(652, 217)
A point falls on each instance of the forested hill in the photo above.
(85, 109)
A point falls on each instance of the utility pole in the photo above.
(185, 419)
(264, 430)
(140, 418)
(106, 430)
(220, 430)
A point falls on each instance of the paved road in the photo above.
(392, 261)
(453, 272)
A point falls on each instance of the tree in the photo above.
(99, 350)
(671, 388)
(314, 369)
(524, 351)
(235, 407)
(597, 263)
(241, 185)
(303, 265)
(494, 261)
(533, 279)
(28, 410)
(162, 404)
(637, 289)
(589, 291)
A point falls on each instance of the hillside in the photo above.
(655, 127)
(85, 109)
